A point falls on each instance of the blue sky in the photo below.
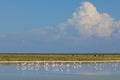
(55, 26)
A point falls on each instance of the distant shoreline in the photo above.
(54, 57)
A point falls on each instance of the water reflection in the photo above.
(68, 67)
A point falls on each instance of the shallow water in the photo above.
(46, 71)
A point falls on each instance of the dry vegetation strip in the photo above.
(57, 57)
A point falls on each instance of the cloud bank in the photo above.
(89, 22)
(86, 21)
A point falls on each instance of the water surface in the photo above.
(61, 71)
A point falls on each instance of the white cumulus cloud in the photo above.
(89, 22)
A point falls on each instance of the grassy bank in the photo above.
(57, 57)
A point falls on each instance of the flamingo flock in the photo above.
(65, 66)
